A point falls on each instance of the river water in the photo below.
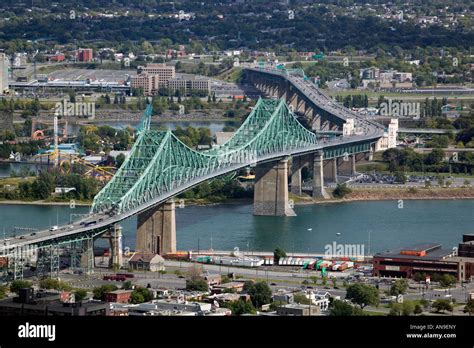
(233, 225)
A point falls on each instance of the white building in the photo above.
(4, 65)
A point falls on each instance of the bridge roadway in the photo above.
(100, 222)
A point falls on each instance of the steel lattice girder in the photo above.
(160, 163)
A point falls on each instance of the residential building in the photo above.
(4, 65)
(146, 261)
(149, 83)
(234, 286)
(212, 279)
(84, 55)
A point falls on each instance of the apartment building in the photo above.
(191, 83)
(164, 72)
(149, 83)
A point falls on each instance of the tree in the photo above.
(278, 254)
(119, 160)
(418, 309)
(16, 285)
(399, 287)
(363, 294)
(408, 308)
(99, 292)
(400, 177)
(442, 305)
(196, 284)
(341, 190)
(447, 280)
(49, 283)
(302, 299)
(127, 285)
(80, 294)
(3, 291)
(260, 293)
(343, 309)
(141, 295)
(469, 307)
(241, 307)
(396, 309)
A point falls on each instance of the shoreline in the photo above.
(303, 201)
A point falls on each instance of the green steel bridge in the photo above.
(160, 167)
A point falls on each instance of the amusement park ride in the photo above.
(65, 160)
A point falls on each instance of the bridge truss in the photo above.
(159, 162)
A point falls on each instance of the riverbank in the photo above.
(357, 194)
(386, 194)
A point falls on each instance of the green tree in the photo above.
(343, 309)
(127, 285)
(447, 280)
(399, 287)
(400, 177)
(341, 190)
(396, 309)
(80, 294)
(99, 292)
(141, 295)
(119, 160)
(418, 309)
(260, 293)
(240, 307)
(50, 283)
(442, 305)
(278, 254)
(16, 285)
(3, 291)
(302, 299)
(408, 308)
(469, 307)
(363, 295)
(196, 284)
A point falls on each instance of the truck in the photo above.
(116, 277)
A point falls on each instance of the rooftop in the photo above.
(421, 251)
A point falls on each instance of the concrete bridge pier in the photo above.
(156, 229)
(296, 182)
(87, 257)
(271, 190)
(116, 255)
(318, 176)
(330, 170)
(347, 165)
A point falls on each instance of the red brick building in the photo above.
(428, 259)
(85, 55)
(419, 258)
(119, 296)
